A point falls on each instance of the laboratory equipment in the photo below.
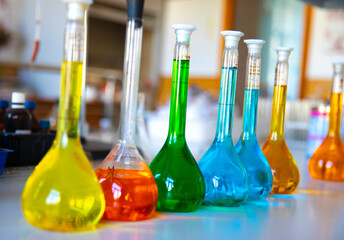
(128, 184)
(63, 192)
(327, 162)
(225, 177)
(3, 107)
(179, 179)
(18, 119)
(3, 156)
(285, 172)
(37, 40)
(44, 126)
(247, 147)
(317, 128)
(31, 106)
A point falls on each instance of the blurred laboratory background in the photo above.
(315, 32)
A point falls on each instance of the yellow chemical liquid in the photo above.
(63, 192)
(327, 162)
(285, 172)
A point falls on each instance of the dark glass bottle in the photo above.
(31, 106)
(18, 120)
(3, 107)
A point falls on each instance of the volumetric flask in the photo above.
(285, 172)
(327, 162)
(179, 180)
(256, 165)
(129, 187)
(63, 193)
(225, 177)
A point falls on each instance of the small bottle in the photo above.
(3, 107)
(18, 120)
(31, 106)
(44, 126)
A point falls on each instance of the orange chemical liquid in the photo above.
(130, 195)
(285, 172)
(327, 162)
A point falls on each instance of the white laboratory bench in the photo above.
(314, 211)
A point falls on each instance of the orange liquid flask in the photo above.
(285, 172)
(128, 184)
(327, 162)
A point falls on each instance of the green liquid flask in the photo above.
(180, 181)
(224, 174)
(63, 192)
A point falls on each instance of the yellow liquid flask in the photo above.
(63, 192)
(285, 172)
(327, 162)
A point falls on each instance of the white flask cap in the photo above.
(183, 31)
(254, 45)
(232, 38)
(76, 8)
(283, 52)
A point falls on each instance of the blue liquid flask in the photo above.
(224, 175)
(257, 167)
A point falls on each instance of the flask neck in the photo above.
(336, 100)
(131, 71)
(71, 73)
(179, 90)
(253, 71)
(278, 112)
(250, 113)
(179, 94)
(251, 93)
(74, 38)
(280, 94)
(227, 93)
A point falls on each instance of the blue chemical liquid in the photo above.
(224, 175)
(257, 167)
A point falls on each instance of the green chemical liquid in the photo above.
(177, 175)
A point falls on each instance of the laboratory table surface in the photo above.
(314, 211)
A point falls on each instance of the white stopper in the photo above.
(232, 38)
(254, 45)
(283, 52)
(76, 8)
(183, 31)
(18, 97)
